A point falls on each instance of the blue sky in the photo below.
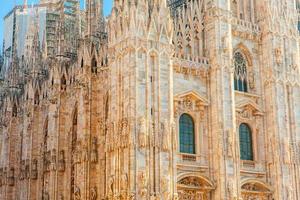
(7, 5)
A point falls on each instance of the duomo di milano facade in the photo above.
(195, 100)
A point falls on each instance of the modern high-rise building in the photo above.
(56, 22)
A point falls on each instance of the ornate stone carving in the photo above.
(111, 182)
(102, 127)
(278, 56)
(94, 150)
(47, 161)
(11, 176)
(166, 142)
(53, 160)
(230, 143)
(124, 133)
(142, 136)
(27, 169)
(61, 161)
(61, 197)
(286, 151)
(22, 175)
(84, 149)
(110, 137)
(46, 196)
(78, 152)
(143, 180)
(175, 136)
(93, 193)
(165, 187)
(77, 194)
(124, 182)
(34, 169)
(251, 78)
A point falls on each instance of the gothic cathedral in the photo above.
(162, 100)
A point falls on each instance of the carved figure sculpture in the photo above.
(93, 193)
(143, 184)
(34, 169)
(286, 153)
(22, 170)
(77, 195)
(61, 161)
(11, 177)
(142, 133)
(94, 152)
(174, 135)
(124, 181)
(53, 160)
(46, 196)
(111, 185)
(166, 137)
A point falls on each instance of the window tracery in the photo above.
(240, 72)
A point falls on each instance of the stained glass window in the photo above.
(246, 149)
(187, 134)
(240, 73)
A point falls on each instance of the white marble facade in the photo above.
(108, 124)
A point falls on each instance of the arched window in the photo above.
(246, 149)
(187, 134)
(240, 72)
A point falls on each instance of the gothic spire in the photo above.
(94, 17)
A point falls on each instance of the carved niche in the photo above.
(124, 133)
(11, 177)
(143, 180)
(53, 160)
(34, 169)
(22, 174)
(110, 137)
(47, 161)
(61, 161)
(77, 194)
(94, 151)
(93, 193)
(165, 136)
(142, 133)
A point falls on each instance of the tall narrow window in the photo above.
(187, 134)
(240, 73)
(246, 149)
